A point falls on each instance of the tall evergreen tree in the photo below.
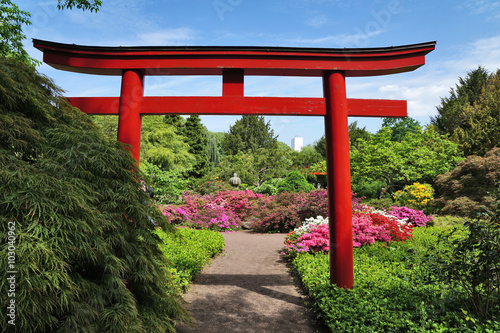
(320, 146)
(196, 137)
(471, 114)
(356, 133)
(452, 111)
(481, 127)
(248, 135)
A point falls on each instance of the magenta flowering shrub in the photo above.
(317, 240)
(242, 203)
(176, 215)
(357, 203)
(223, 210)
(279, 213)
(315, 203)
(417, 218)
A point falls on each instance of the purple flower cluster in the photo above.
(417, 218)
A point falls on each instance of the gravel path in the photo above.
(248, 289)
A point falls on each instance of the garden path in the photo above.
(248, 289)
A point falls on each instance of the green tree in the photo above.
(87, 258)
(356, 133)
(320, 146)
(12, 20)
(252, 169)
(196, 138)
(177, 121)
(419, 158)
(109, 125)
(401, 126)
(214, 147)
(453, 109)
(307, 156)
(480, 129)
(162, 146)
(248, 135)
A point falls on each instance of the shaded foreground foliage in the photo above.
(86, 257)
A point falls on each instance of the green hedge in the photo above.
(389, 294)
(189, 250)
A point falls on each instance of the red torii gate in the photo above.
(233, 63)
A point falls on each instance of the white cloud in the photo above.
(478, 7)
(317, 21)
(357, 39)
(177, 36)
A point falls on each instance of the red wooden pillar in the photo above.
(339, 180)
(129, 118)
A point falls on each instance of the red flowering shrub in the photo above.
(399, 230)
(365, 231)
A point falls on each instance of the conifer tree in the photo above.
(248, 135)
(86, 257)
(196, 137)
(213, 150)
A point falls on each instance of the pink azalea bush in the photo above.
(415, 217)
(223, 210)
(369, 226)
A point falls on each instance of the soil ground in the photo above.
(248, 289)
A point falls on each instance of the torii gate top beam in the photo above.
(212, 60)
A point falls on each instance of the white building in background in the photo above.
(297, 143)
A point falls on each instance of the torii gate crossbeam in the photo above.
(233, 64)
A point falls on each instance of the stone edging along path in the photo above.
(248, 289)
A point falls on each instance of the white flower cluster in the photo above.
(309, 223)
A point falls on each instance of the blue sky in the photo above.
(467, 34)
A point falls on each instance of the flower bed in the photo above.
(227, 210)
(369, 225)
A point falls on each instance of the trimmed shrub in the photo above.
(188, 251)
(294, 182)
